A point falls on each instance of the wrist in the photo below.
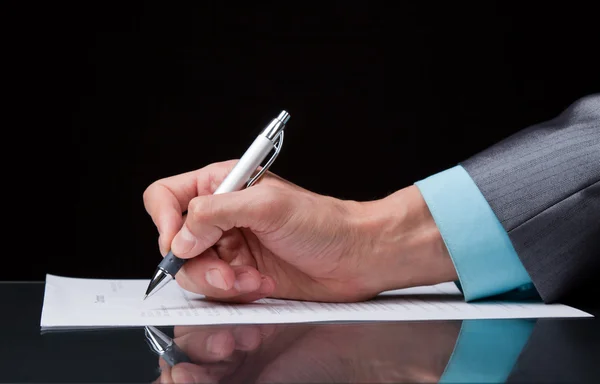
(402, 245)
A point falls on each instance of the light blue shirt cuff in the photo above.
(483, 255)
(486, 351)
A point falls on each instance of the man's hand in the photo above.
(279, 240)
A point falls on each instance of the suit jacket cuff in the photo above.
(482, 253)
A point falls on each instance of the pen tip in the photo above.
(145, 296)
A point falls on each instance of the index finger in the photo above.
(166, 199)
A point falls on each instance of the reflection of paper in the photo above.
(70, 302)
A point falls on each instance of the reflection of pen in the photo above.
(164, 346)
(241, 176)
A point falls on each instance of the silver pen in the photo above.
(243, 175)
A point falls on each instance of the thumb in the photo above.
(259, 208)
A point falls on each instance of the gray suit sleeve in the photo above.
(543, 184)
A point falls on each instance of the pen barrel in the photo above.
(171, 264)
(236, 180)
(174, 355)
(246, 166)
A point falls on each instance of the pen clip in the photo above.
(264, 169)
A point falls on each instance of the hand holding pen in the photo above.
(276, 239)
(244, 174)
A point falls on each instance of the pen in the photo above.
(164, 346)
(241, 176)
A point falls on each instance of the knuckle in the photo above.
(229, 164)
(220, 166)
(273, 203)
(216, 173)
(199, 208)
(148, 192)
(270, 197)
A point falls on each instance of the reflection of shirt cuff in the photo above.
(487, 350)
(484, 258)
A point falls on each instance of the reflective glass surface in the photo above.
(545, 350)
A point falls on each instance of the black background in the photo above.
(103, 99)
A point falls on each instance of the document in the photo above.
(75, 303)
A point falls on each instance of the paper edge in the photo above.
(579, 314)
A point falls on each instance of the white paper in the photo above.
(73, 302)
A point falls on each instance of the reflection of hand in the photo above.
(279, 240)
(215, 351)
(371, 352)
(364, 352)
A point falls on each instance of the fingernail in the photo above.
(215, 278)
(162, 364)
(161, 247)
(265, 286)
(215, 344)
(245, 283)
(182, 375)
(184, 241)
